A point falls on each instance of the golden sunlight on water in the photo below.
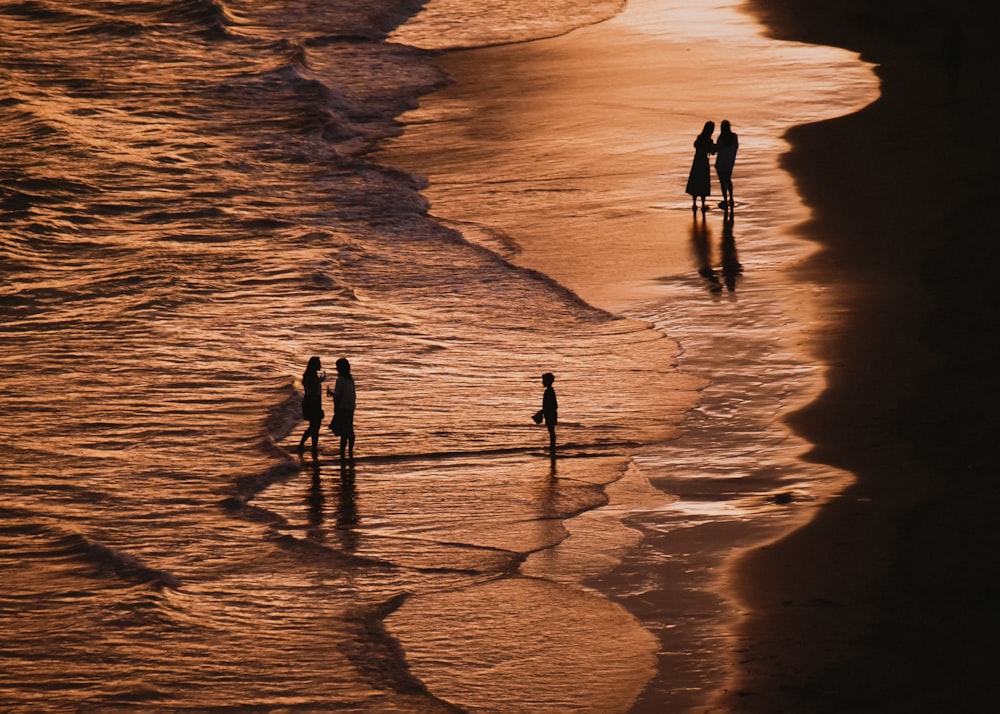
(165, 548)
(577, 148)
(569, 156)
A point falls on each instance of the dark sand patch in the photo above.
(887, 600)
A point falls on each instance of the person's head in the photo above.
(708, 128)
(314, 365)
(343, 367)
(725, 128)
(548, 378)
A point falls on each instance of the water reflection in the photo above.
(345, 515)
(315, 500)
(701, 247)
(346, 518)
(549, 507)
(730, 269)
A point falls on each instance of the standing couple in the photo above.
(699, 183)
(343, 405)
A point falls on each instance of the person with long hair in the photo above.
(312, 403)
(725, 158)
(699, 183)
(344, 401)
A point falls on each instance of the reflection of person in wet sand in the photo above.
(699, 183)
(344, 535)
(347, 514)
(312, 403)
(731, 268)
(725, 159)
(344, 400)
(315, 499)
(702, 247)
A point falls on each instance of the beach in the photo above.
(865, 607)
(883, 602)
(567, 156)
(773, 488)
(189, 217)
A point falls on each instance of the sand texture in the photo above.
(887, 601)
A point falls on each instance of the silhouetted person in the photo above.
(725, 159)
(699, 183)
(312, 403)
(954, 52)
(731, 268)
(550, 409)
(702, 248)
(344, 400)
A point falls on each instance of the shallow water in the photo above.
(569, 156)
(189, 213)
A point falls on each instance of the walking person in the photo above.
(550, 409)
(344, 401)
(312, 403)
(725, 159)
(699, 183)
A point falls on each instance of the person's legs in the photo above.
(311, 431)
(726, 184)
(314, 428)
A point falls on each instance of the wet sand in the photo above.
(886, 601)
(570, 150)
(569, 157)
(857, 610)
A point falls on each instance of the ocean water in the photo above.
(569, 156)
(191, 210)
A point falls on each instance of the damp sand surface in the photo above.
(568, 156)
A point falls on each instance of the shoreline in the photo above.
(670, 583)
(882, 602)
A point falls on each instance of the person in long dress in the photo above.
(725, 159)
(344, 401)
(699, 183)
(312, 403)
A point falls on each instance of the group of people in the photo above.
(699, 184)
(345, 399)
